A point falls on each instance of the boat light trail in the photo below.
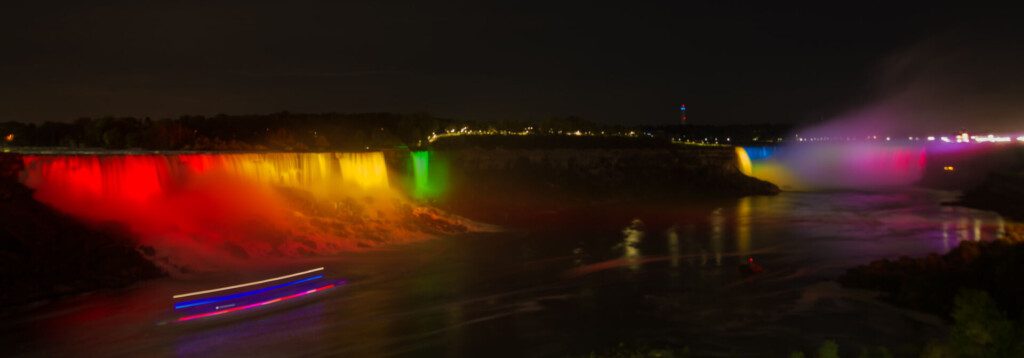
(264, 303)
(248, 284)
(204, 301)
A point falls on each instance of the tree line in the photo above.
(276, 131)
(298, 131)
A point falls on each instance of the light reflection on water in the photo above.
(717, 221)
(631, 242)
(305, 322)
(743, 233)
(673, 246)
(666, 278)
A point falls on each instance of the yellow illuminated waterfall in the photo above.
(364, 169)
(321, 173)
(743, 161)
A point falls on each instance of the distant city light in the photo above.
(948, 168)
(9, 137)
(961, 136)
(991, 138)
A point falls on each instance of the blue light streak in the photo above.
(193, 303)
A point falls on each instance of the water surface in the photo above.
(653, 277)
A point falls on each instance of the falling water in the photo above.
(835, 165)
(237, 205)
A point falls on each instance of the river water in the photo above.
(565, 285)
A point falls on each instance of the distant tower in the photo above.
(682, 113)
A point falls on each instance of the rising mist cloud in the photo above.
(970, 78)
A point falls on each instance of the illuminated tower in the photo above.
(682, 113)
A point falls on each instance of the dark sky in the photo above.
(631, 62)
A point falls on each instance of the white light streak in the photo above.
(247, 284)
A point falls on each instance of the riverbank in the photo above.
(972, 287)
(930, 283)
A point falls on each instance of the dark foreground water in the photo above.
(562, 286)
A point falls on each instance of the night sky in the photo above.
(630, 63)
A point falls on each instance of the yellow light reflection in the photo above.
(977, 229)
(631, 239)
(717, 222)
(673, 247)
(743, 227)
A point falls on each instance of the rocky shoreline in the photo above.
(931, 283)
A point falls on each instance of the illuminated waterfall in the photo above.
(323, 173)
(123, 180)
(421, 172)
(196, 202)
(429, 175)
(743, 161)
(836, 165)
(128, 179)
(366, 170)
